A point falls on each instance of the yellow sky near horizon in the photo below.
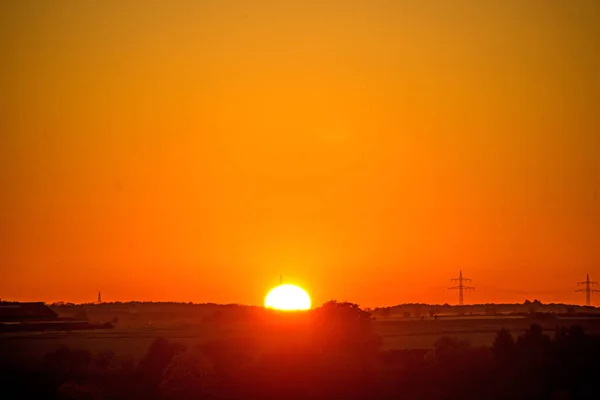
(366, 150)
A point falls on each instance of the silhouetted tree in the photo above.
(504, 348)
(344, 327)
(449, 350)
(534, 343)
(152, 365)
(189, 376)
(386, 312)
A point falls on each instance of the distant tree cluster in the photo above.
(518, 309)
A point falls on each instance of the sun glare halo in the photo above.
(288, 298)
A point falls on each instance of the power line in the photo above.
(461, 287)
(588, 289)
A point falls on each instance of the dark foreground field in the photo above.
(395, 334)
(336, 351)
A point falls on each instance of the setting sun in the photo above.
(288, 297)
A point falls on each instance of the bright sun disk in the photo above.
(288, 297)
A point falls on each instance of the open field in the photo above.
(479, 331)
(395, 334)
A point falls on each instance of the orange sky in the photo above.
(366, 150)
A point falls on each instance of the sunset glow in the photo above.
(186, 150)
(300, 199)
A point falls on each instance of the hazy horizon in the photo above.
(260, 302)
(66, 303)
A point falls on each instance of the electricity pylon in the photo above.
(461, 287)
(588, 289)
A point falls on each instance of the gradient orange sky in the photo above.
(366, 150)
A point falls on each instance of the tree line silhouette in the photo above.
(331, 352)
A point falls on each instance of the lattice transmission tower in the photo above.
(588, 289)
(461, 287)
